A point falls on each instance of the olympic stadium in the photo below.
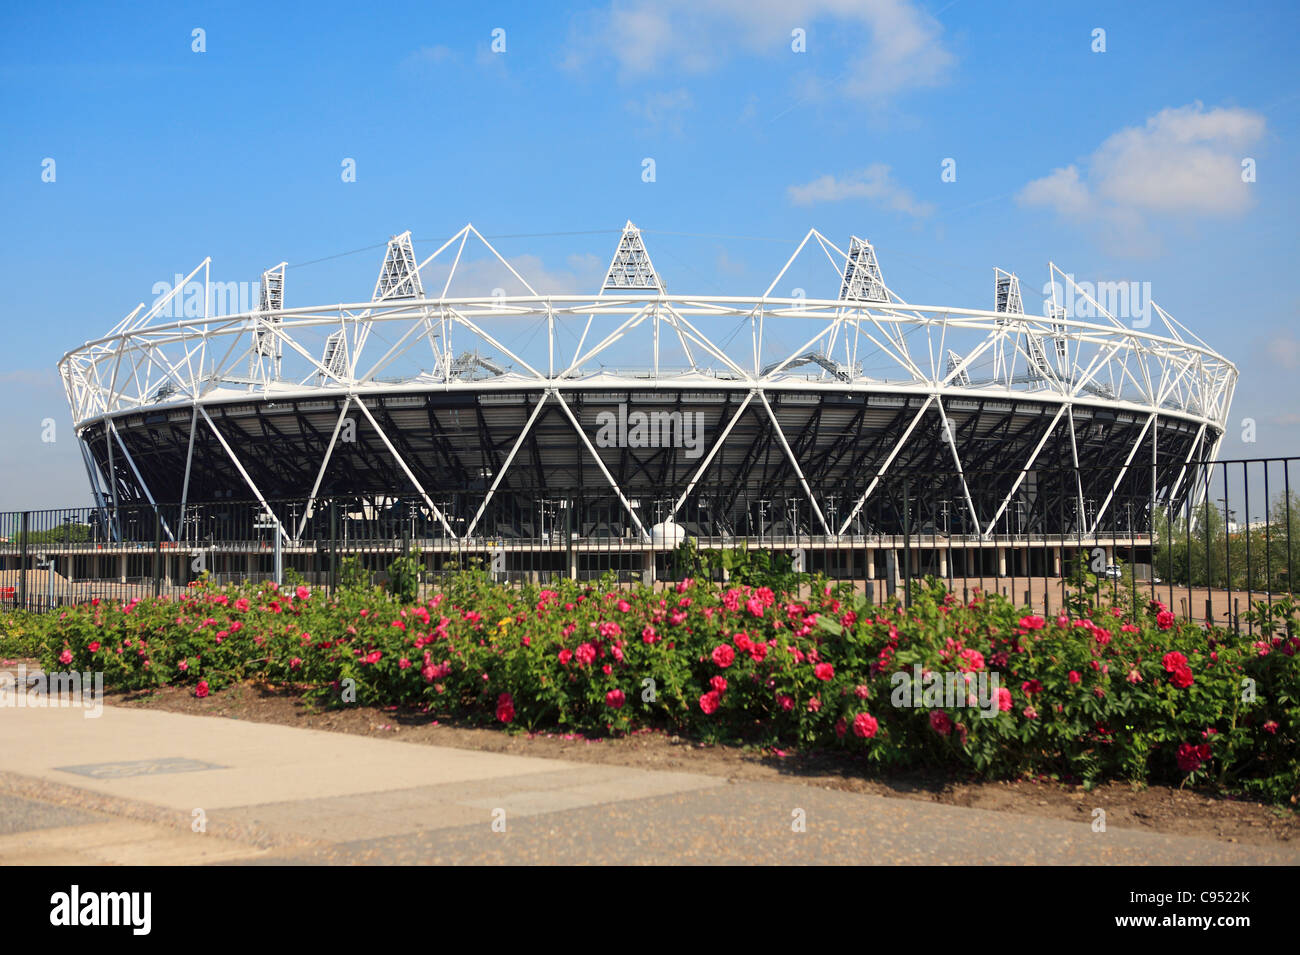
(838, 412)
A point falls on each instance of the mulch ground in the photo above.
(1155, 808)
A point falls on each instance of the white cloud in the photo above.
(874, 183)
(1183, 161)
(1062, 191)
(900, 44)
(1284, 351)
(664, 110)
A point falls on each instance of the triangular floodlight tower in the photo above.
(1006, 301)
(630, 270)
(862, 281)
(399, 278)
(954, 363)
(1006, 294)
(1056, 314)
(264, 360)
(1039, 369)
(335, 357)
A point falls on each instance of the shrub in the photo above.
(404, 578)
(1120, 691)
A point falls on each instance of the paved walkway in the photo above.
(150, 787)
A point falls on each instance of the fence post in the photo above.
(22, 560)
(571, 565)
(334, 549)
(907, 545)
(157, 553)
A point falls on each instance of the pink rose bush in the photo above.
(1089, 692)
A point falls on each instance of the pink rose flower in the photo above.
(865, 725)
(505, 708)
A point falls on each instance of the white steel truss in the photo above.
(631, 267)
(862, 281)
(867, 340)
(267, 348)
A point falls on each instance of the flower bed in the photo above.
(1109, 692)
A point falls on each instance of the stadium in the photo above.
(637, 414)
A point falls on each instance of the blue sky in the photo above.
(1118, 165)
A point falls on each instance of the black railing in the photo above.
(1210, 541)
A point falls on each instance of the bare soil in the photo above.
(1164, 809)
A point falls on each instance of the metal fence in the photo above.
(1208, 540)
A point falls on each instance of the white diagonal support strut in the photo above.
(950, 437)
(794, 464)
(189, 461)
(1123, 471)
(988, 531)
(501, 472)
(324, 465)
(221, 439)
(143, 486)
(401, 463)
(898, 446)
(627, 506)
(708, 458)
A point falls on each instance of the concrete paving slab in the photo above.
(118, 842)
(264, 762)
